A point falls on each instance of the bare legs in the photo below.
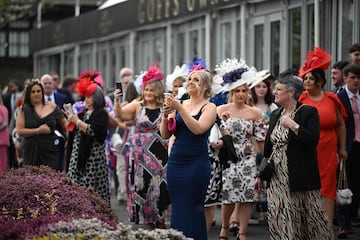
(209, 216)
(226, 211)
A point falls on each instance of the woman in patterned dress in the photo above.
(148, 200)
(242, 122)
(294, 200)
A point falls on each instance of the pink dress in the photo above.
(4, 139)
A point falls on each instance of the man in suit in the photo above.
(350, 98)
(337, 75)
(60, 100)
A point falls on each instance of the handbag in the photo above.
(171, 125)
(227, 153)
(343, 192)
(266, 168)
(116, 140)
(215, 134)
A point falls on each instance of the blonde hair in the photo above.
(207, 78)
(158, 89)
(249, 99)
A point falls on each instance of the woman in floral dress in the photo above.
(242, 122)
(149, 198)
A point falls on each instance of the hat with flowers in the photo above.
(152, 74)
(317, 58)
(94, 76)
(231, 71)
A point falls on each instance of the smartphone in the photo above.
(69, 108)
(119, 86)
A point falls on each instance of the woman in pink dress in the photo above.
(4, 137)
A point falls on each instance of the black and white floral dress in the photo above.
(239, 179)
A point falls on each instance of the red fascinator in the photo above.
(94, 76)
(152, 74)
(318, 58)
(85, 87)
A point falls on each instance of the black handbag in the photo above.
(266, 169)
(227, 153)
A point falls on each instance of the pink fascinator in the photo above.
(152, 74)
(317, 58)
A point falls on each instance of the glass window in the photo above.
(259, 46)
(238, 38)
(69, 62)
(194, 42)
(275, 47)
(295, 37)
(225, 40)
(310, 27)
(18, 44)
(347, 27)
(180, 53)
(3, 44)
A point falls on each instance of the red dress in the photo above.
(327, 147)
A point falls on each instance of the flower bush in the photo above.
(33, 197)
(39, 203)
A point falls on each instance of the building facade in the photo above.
(267, 34)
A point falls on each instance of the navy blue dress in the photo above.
(188, 176)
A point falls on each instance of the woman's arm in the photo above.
(128, 112)
(29, 132)
(205, 122)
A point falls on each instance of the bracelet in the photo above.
(77, 122)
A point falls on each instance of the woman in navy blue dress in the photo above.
(188, 171)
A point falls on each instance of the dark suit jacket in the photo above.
(350, 123)
(301, 149)
(60, 99)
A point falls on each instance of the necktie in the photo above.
(355, 109)
(49, 99)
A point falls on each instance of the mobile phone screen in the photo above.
(119, 86)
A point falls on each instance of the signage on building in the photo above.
(121, 17)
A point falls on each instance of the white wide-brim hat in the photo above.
(260, 76)
(246, 78)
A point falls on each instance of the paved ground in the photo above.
(255, 232)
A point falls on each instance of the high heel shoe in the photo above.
(238, 237)
(234, 228)
(223, 237)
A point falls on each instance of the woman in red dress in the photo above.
(331, 112)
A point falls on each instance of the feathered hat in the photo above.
(259, 77)
(231, 71)
(197, 64)
(178, 72)
(152, 74)
(317, 58)
(85, 87)
(93, 76)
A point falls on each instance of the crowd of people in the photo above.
(195, 139)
